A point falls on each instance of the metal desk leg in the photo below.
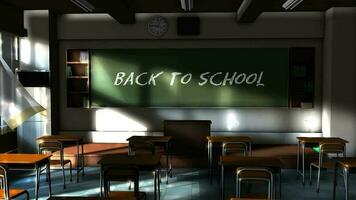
(48, 171)
(136, 184)
(63, 172)
(298, 155)
(335, 180)
(280, 184)
(82, 155)
(167, 164)
(37, 181)
(209, 160)
(273, 187)
(346, 177)
(129, 148)
(210, 152)
(159, 184)
(78, 162)
(222, 183)
(170, 160)
(155, 184)
(249, 146)
(101, 181)
(303, 167)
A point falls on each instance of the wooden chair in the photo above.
(7, 193)
(246, 199)
(56, 146)
(324, 150)
(125, 195)
(122, 175)
(1, 179)
(141, 148)
(244, 174)
(235, 148)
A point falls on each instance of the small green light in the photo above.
(316, 149)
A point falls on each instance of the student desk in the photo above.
(246, 199)
(24, 161)
(69, 139)
(77, 198)
(157, 140)
(302, 141)
(139, 162)
(221, 139)
(247, 161)
(117, 196)
(346, 164)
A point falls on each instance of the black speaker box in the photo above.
(188, 25)
(33, 79)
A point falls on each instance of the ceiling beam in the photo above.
(322, 5)
(121, 10)
(249, 10)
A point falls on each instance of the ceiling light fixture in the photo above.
(187, 5)
(291, 4)
(84, 5)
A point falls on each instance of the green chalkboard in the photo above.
(228, 77)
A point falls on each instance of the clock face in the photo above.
(157, 26)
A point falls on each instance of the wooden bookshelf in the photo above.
(77, 63)
(301, 85)
(78, 76)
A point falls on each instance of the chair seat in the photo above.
(241, 153)
(13, 193)
(141, 152)
(247, 199)
(159, 148)
(120, 174)
(254, 174)
(126, 195)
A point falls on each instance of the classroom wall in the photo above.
(280, 30)
(339, 99)
(213, 26)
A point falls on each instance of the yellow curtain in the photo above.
(17, 105)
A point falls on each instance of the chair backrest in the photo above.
(331, 148)
(141, 148)
(4, 183)
(265, 171)
(121, 174)
(50, 147)
(241, 170)
(234, 147)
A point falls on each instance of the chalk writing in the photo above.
(206, 78)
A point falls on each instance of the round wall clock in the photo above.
(157, 26)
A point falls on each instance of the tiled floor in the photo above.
(186, 184)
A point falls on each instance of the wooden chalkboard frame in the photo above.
(210, 106)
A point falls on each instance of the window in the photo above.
(9, 52)
(1, 91)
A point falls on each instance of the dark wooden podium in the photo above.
(188, 138)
